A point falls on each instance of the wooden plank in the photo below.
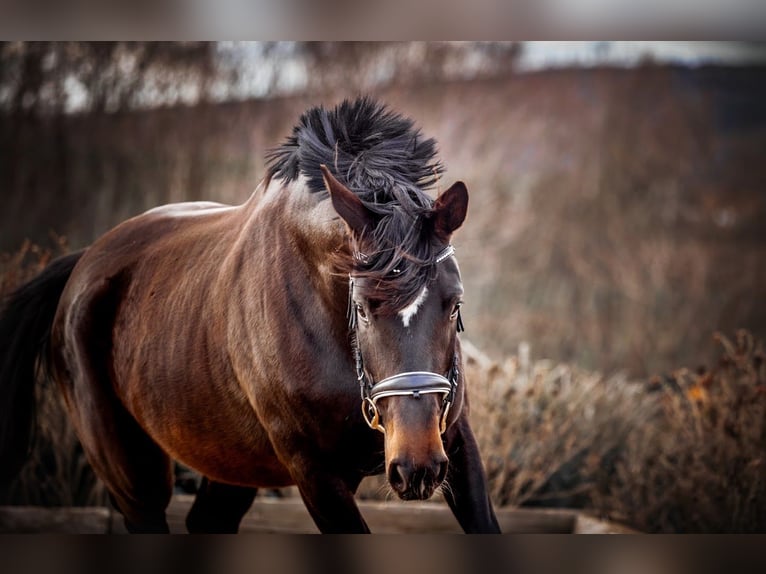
(589, 525)
(69, 520)
(271, 515)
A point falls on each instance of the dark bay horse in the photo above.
(266, 344)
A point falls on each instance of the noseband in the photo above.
(412, 383)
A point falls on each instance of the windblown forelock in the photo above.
(398, 262)
(369, 148)
(387, 163)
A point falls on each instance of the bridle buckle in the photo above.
(372, 415)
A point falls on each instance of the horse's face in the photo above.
(420, 338)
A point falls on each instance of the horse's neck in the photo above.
(305, 230)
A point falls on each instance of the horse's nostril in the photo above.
(397, 477)
(416, 482)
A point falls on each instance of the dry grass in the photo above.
(549, 432)
(29, 260)
(57, 473)
(681, 453)
(699, 465)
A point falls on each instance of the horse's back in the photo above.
(196, 228)
(159, 251)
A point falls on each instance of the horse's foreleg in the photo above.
(219, 508)
(330, 500)
(466, 491)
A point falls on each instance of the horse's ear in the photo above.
(348, 205)
(449, 211)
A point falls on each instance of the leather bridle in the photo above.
(411, 383)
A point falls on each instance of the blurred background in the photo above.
(617, 222)
(618, 189)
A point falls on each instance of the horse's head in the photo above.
(404, 308)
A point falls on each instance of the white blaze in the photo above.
(412, 309)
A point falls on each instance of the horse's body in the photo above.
(218, 336)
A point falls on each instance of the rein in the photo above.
(411, 383)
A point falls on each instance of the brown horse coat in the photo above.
(218, 336)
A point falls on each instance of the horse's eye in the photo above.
(455, 310)
(361, 312)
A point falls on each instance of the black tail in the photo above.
(25, 325)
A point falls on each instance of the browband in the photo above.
(441, 256)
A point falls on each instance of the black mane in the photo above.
(374, 152)
(386, 162)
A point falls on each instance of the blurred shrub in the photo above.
(681, 453)
(548, 432)
(57, 472)
(28, 261)
(699, 465)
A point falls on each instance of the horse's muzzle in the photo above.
(413, 482)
